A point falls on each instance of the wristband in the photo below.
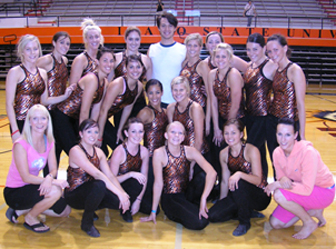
(139, 199)
(13, 133)
(50, 175)
(154, 211)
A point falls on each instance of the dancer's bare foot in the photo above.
(307, 229)
(318, 213)
(32, 223)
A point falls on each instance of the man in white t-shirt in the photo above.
(249, 12)
(167, 55)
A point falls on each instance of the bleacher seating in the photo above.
(272, 13)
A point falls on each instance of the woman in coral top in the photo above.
(304, 185)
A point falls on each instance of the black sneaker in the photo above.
(92, 231)
(127, 216)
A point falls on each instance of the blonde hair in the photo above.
(130, 30)
(24, 40)
(87, 25)
(194, 36)
(225, 46)
(26, 132)
(181, 80)
(178, 123)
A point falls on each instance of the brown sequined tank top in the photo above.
(91, 66)
(185, 119)
(240, 164)
(258, 90)
(284, 100)
(28, 93)
(154, 131)
(176, 173)
(78, 176)
(197, 87)
(223, 94)
(132, 163)
(124, 99)
(57, 79)
(71, 106)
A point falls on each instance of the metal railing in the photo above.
(202, 20)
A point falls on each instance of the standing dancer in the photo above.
(289, 89)
(26, 85)
(258, 83)
(84, 101)
(121, 94)
(55, 64)
(87, 61)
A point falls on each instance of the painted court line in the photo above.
(178, 236)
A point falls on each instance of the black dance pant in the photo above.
(91, 196)
(109, 137)
(256, 135)
(65, 130)
(132, 187)
(147, 199)
(239, 203)
(177, 208)
(27, 197)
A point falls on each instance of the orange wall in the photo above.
(296, 37)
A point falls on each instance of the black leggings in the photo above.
(27, 196)
(179, 209)
(239, 203)
(65, 130)
(256, 135)
(147, 199)
(109, 137)
(91, 196)
(132, 187)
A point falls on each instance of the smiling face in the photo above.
(286, 137)
(276, 51)
(90, 135)
(135, 133)
(175, 133)
(92, 39)
(106, 63)
(31, 52)
(255, 52)
(133, 41)
(232, 135)
(212, 42)
(180, 92)
(154, 95)
(222, 60)
(134, 70)
(62, 45)
(166, 30)
(193, 48)
(38, 121)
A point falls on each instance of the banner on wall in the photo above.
(296, 37)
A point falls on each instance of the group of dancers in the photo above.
(196, 142)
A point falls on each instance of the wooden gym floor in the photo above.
(115, 233)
